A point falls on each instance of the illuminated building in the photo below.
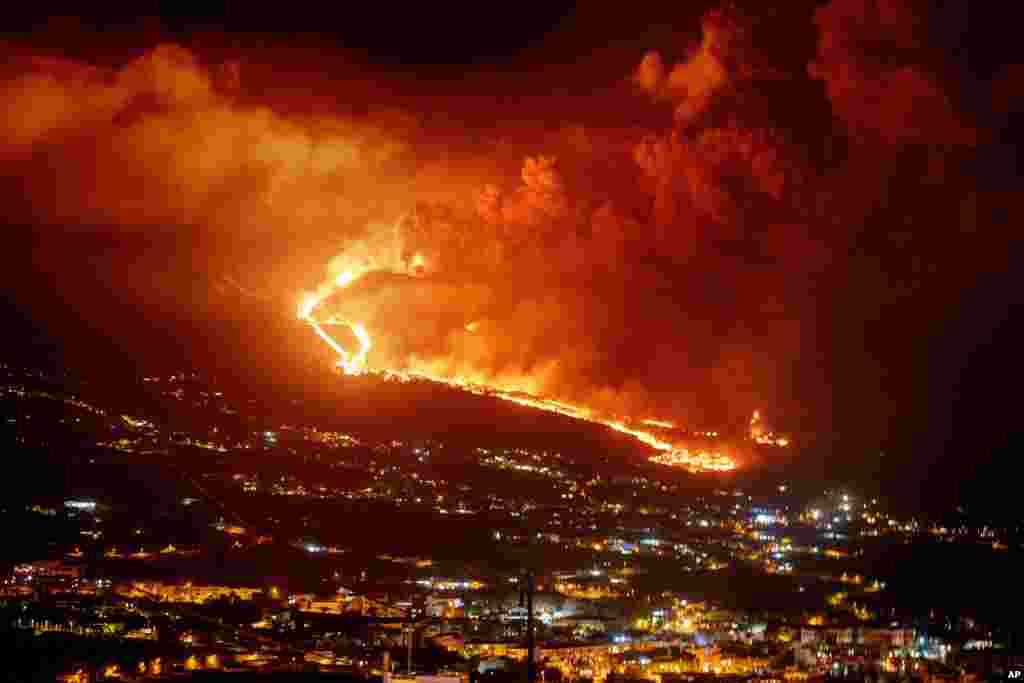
(185, 592)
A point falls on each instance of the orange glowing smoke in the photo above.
(355, 363)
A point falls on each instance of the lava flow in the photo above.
(356, 363)
(349, 363)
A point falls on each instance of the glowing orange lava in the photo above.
(355, 363)
(349, 363)
(762, 436)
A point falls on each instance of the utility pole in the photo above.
(527, 590)
(409, 629)
(408, 660)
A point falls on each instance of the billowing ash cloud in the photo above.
(871, 58)
(692, 269)
(165, 141)
(724, 57)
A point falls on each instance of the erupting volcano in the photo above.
(356, 363)
(659, 239)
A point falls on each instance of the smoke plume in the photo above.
(690, 269)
